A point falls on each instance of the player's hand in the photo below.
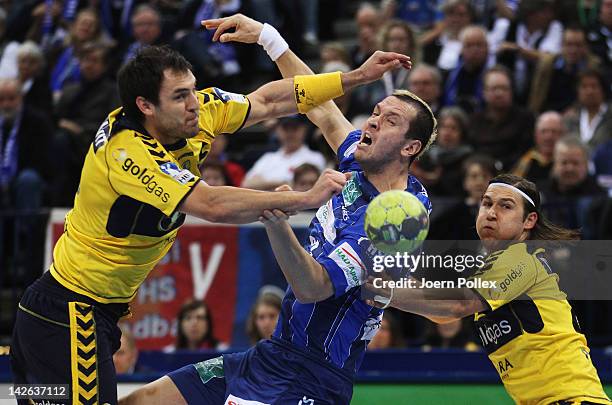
(273, 218)
(381, 62)
(329, 183)
(246, 29)
(376, 297)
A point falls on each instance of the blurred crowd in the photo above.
(517, 86)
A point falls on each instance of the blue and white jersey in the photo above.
(339, 328)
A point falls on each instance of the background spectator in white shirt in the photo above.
(276, 168)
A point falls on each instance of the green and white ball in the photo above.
(396, 221)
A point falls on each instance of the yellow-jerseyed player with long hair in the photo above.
(525, 323)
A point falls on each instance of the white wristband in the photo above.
(272, 42)
(384, 300)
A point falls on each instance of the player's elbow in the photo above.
(205, 202)
(314, 292)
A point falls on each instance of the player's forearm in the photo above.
(326, 116)
(291, 65)
(239, 206)
(308, 280)
(433, 303)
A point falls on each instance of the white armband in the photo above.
(272, 42)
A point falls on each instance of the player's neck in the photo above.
(388, 180)
(160, 137)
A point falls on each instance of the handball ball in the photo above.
(396, 221)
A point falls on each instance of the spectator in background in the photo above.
(536, 163)
(602, 160)
(8, 50)
(570, 173)
(25, 170)
(458, 221)
(334, 52)
(368, 20)
(441, 45)
(439, 168)
(263, 317)
(487, 11)
(518, 43)
(146, 30)
(24, 149)
(213, 62)
(33, 77)
(464, 84)
(426, 82)
(276, 168)
(126, 357)
(449, 335)
(570, 189)
(502, 130)
(418, 13)
(80, 111)
(599, 36)
(397, 37)
(217, 153)
(214, 174)
(194, 328)
(305, 176)
(591, 118)
(582, 14)
(85, 28)
(389, 335)
(554, 74)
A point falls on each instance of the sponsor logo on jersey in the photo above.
(183, 176)
(348, 260)
(371, 327)
(146, 178)
(227, 96)
(306, 401)
(497, 328)
(325, 215)
(510, 277)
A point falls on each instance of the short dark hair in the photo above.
(303, 169)
(424, 126)
(143, 75)
(597, 75)
(499, 69)
(486, 163)
(93, 47)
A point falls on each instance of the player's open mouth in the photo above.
(365, 139)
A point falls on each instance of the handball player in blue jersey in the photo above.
(324, 326)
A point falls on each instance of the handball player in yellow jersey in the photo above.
(139, 179)
(526, 325)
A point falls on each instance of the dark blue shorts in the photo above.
(273, 372)
(61, 337)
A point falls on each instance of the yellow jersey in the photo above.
(530, 333)
(125, 216)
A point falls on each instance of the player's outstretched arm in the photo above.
(307, 278)
(241, 205)
(439, 305)
(327, 116)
